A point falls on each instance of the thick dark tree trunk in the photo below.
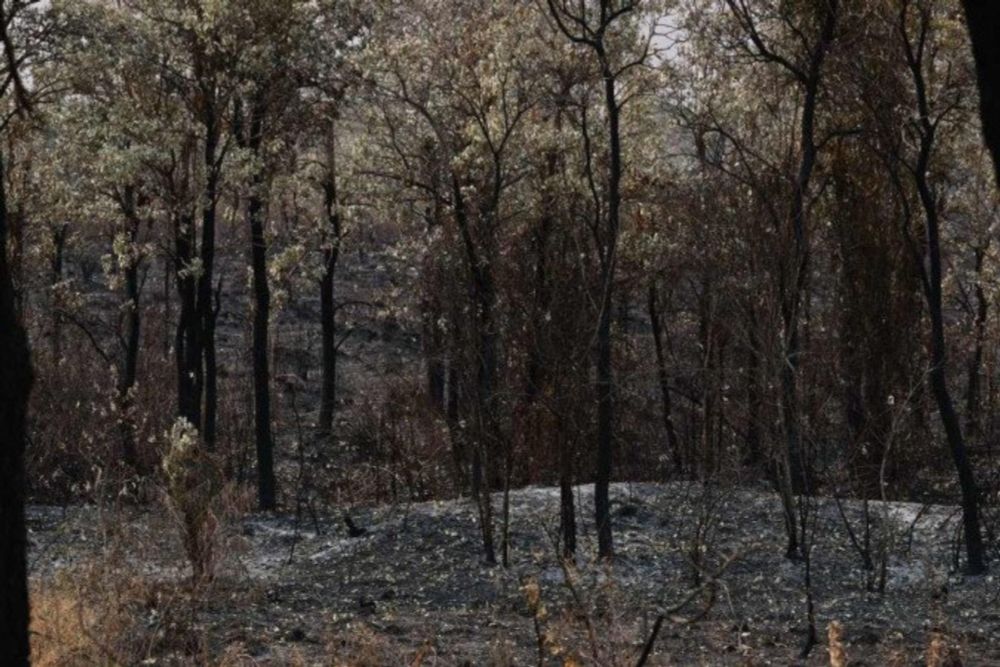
(983, 19)
(15, 385)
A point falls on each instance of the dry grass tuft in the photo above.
(835, 635)
(95, 614)
(358, 645)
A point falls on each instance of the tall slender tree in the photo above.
(15, 385)
(594, 28)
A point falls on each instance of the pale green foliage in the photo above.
(194, 483)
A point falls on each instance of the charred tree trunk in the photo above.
(605, 370)
(132, 328)
(251, 139)
(975, 550)
(435, 366)
(266, 486)
(752, 452)
(931, 278)
(983, 20)
(328, 307)
(709, 372)
(15, 385)
(458, 453)
(795, 476)
(666, 404)
(972, 392)
(59, 235)
(590, 28)
(206, 303)
(484, 298)
(187, 342)
(567, 508)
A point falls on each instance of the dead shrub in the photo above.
(194, 483)
(104, 612)
(399, 446)
(358, 645)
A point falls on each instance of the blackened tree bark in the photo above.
(666, 404)
(327, 288)
(60, 233)
(484, 296)
(807, 72)
(752, 444)
(929, 266)
(983, 20)
(132, 329)
(982, 305)
(15, 387)
(208, 106)
(187, 341)
(206, 302)
(590, 29)
(605, 377)
(15, 384)
(251, 138)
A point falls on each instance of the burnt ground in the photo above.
(414, 582)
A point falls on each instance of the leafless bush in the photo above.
(399, 448)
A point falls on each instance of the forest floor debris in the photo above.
(415, 583)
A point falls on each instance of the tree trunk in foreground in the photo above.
(15, 384)
(983, 20)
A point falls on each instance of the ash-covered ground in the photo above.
(413, 588)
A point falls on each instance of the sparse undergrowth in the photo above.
(412, 590)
